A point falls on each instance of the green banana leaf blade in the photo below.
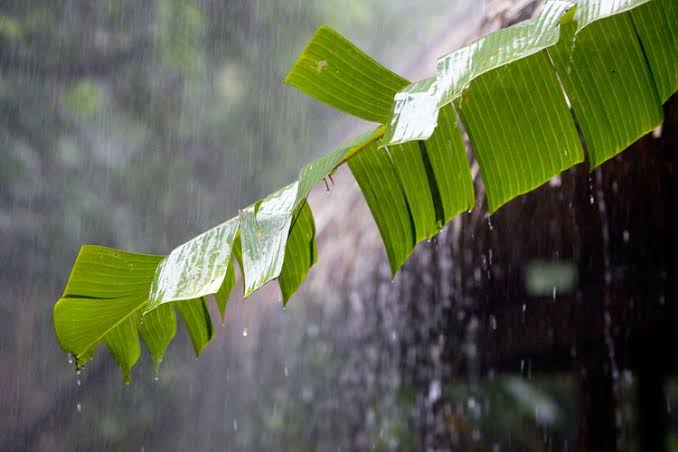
(102, 272)
(312, 173)
(615, 61)
(195, 269)
(334, 71)
(263, 236)
(81, 324)
(381, 188)
(609, 84)
(457, 70)
(221, 297)
(657, 25)
(197, 321)
(300, 254)
(447, 156)
(590, 11)
(158, 327)
(520, 128)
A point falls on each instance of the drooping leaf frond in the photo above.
(522, 94)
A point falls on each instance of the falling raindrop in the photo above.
(78, 407)
(244, 332)
(570, 61)
(235, 425)
(434, 391)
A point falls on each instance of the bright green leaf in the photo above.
(312, 173)
(123, 342)
(616, 60)
(657, 26)
(196, 268)
(416, 108)
(380, 186)
(103, 301)
(417, 117)
(411, 166)
(338, 73)
(263, 234)
(520, 128)
(447, 155)
(158, 328)
(101, 272)
(82, 323)
(609, 85)
(221, 297)
(300, 253)
(198, 322)
(590, 11)
(498, 49)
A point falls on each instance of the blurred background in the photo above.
(138, 125)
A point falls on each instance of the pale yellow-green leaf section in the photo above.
(195, 269)
(263, 234)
